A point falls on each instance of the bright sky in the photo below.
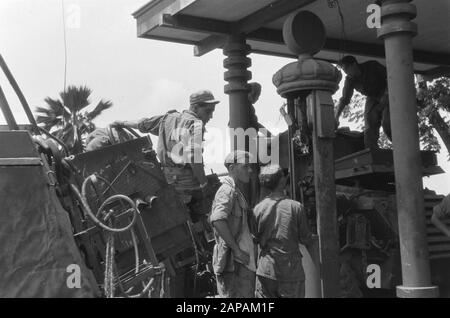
(141, 77)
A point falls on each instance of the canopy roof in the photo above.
(206, 23)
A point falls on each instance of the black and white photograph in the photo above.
(225, 154)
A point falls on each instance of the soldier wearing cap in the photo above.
(234, 254)
(281, 225)
(179, 147)
(253, 97)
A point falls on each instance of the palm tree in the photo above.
(64, 119)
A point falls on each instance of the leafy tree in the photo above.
(64, 118)
(433, 102)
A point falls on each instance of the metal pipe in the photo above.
(291, 131)
(19, 93)
(397, 32)
(9, 117)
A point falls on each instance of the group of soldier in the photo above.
(256, 247)
(256, 251)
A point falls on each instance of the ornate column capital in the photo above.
(236, 64)
(305, 75)
(396, 16)
(304, 34)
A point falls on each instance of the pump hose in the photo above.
(111, 231)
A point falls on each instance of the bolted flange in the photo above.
(396, 18)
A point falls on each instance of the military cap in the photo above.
(202, 97)
(270, 175)
(237, 156)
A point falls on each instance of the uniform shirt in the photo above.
(280, 229)
(231, 206)
(101, 138)
(371, 83)
(180, 137)
(442, 210)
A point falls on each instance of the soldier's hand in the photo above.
(242, 257)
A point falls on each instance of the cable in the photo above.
(111, 231)
(343, 33)
(333, 4)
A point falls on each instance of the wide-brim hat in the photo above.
(203, 97)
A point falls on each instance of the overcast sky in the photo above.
(141, 77)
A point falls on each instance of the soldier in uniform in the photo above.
(234, 255)
(370, 79)
(253, 97)
(103, 137)
(179, 147)
(281, 225)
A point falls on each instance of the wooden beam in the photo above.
(197, 24)
(253, 22)
(268, 14)
(150, 16)
(436, 72)
(251, 25)
(353, 47)
(209, 44)
(166, 39)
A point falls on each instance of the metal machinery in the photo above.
(349, 191)
(108, 213)
(366, 212)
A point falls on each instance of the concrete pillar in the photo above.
(397, 31)
(314, 81)
(237, 76)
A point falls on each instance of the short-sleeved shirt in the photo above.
(371, 83)
(180, 137)
(442, 210)
(281, 226)
(231, 206)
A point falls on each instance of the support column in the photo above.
(291, 132)
(397, 31)
(315, 80)
(323, 136)
(237, 88)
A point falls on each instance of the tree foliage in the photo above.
(64, 118)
